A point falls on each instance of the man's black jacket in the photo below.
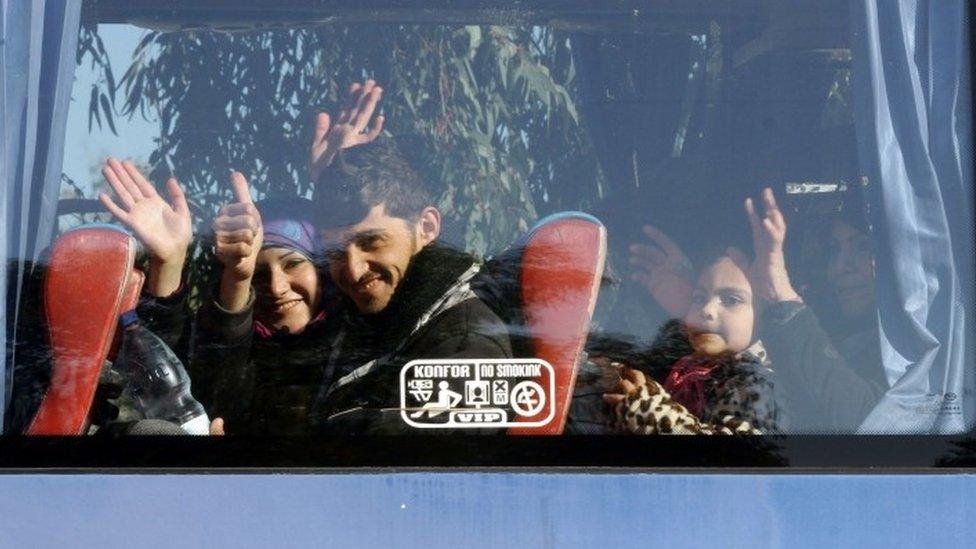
(434, 313)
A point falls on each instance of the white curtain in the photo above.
(38, 40)
(913, 109)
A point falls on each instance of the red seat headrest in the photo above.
(561, 268)
(89, 281)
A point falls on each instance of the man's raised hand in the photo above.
(164, 228)
(351, 128)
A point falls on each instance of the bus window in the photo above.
(730, 222)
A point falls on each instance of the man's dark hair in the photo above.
(368, 175)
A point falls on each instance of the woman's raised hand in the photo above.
(238, 236)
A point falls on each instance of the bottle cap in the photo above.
(128, 318)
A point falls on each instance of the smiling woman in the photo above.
(289, 293)
(258, 366)
(288, 286)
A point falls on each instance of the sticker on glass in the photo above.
(451, 394)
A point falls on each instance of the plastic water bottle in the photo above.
(157, 380)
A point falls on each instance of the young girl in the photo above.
(720, 378)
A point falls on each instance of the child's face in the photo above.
(721, 315)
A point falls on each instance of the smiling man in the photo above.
(405, 296)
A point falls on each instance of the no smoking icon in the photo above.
(528, 398)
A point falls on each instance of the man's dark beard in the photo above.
(386, 275)
(428, 274)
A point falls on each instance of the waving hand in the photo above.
(351, 128)
(164, 228)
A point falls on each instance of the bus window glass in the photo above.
(679, 220)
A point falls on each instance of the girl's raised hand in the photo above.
(768, 275)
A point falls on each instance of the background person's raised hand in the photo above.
(238, 236)
(664, 270)
(351, 128)
(164, 228)
(768, 274)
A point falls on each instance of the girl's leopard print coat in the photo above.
(740, 399)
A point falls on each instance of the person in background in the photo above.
(839, 374)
